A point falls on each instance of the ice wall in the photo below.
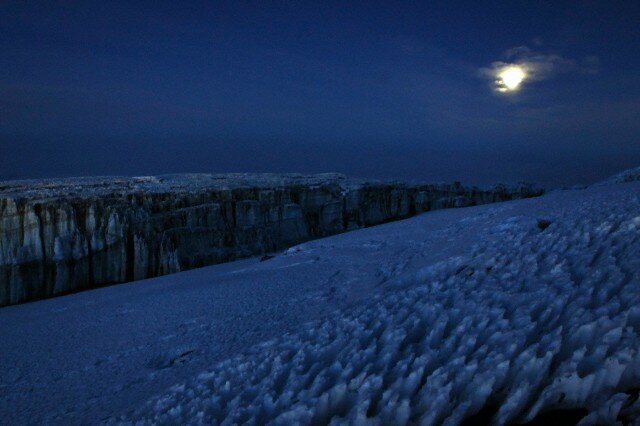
(65, 235)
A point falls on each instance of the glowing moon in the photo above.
(509, 78)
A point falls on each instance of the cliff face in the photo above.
(58, 236)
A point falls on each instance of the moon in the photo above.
(510, 78)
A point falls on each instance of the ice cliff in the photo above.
(64, 235)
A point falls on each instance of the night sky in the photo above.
(380, 90)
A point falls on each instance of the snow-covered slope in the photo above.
(626, 176)
(505, 311)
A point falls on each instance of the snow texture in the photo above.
(626, 176)
(106, 185)
(531, 320)
(508, 311)
(97, 186)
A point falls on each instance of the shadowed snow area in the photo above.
(507, 312)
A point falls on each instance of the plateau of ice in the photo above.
(522, 311)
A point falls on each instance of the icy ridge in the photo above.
(95, 186)
(626, 176)
(185, 182)
(534, 319)
(64, 235)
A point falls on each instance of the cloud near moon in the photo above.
(522, 66)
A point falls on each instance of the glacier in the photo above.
(502, 313)
(59, 236)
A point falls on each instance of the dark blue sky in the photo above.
(381, 90)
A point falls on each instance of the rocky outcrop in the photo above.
(59, 236)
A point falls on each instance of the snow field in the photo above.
(528, 322)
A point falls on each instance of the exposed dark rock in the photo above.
(543, 224)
